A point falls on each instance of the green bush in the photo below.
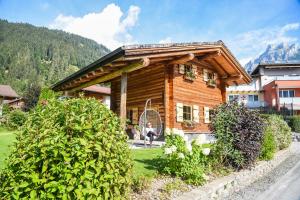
(185, 160)
(15, 119)
(5, 110)
(280, 129)
(269, 145)
(239, 134)
(294, 123)
(68, 149)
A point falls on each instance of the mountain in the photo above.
(29, 54)
(276, 53)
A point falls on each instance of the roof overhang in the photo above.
(135, 57)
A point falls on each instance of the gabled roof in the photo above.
(277, 64)
(7, 91)
(98, 89)
(135, 57)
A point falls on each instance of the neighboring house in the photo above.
(183, 80)
(266, 75)
(283, 94)
(16, 103)
(6, 94)
(99, 92)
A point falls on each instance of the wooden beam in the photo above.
(123, 98)
(180, 53)
(182, 59)
(210, 55)
(218, 66)
(132, 67)
(233, 79)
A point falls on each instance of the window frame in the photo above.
(234, 96)
(288, 92)
(184, 113)
(253, 97)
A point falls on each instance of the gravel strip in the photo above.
(253, 190)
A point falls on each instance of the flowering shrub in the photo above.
(239, 134)
(185, 159)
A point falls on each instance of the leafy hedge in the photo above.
(71, 149)
(15, 119)
(280, 129)
(269, 145)
(294, 123)
(239, 134)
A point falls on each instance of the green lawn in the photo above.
(144, 161)
(143, 158)
(6, 139)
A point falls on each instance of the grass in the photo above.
(144, 161)
(6, 139)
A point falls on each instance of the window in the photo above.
(252, 97)
(187, 112)
(286, 93)
(233, 97)
(188, 69)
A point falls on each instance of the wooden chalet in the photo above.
(183, 80)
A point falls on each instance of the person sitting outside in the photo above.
(150, 133)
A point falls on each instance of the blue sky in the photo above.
(247, 27)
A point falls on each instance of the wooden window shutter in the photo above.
(181, 69)
(215, 76)
(179, 112)
(205, 75)
(196, 113)
(194, 68)
(206, 115)
(135, 115)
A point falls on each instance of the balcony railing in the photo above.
(255, 104)
(290, 102)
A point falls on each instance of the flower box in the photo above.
(211, 83)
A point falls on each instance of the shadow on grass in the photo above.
(150, 164)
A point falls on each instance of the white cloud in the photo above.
(250, 44)
(166, 40)
(108, 27)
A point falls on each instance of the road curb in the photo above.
(222, 187)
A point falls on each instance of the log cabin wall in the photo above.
(142, 84)
(193, 93)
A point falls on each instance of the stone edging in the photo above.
(222, 187)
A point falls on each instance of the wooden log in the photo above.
(132, 67)
(233, 78)
(123, 98)
(210, 55)
(182, 59)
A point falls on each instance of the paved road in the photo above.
(286, 188)
(282, 183)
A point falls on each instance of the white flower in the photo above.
(186, 138)
(178, 132)
(168, 151)
(189, 146)
(174, 131)
(167, 131)
(200, 139)
(180, 155)
(206, 151)
(173, 148)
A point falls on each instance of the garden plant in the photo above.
(68, 149)
(239, 134)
